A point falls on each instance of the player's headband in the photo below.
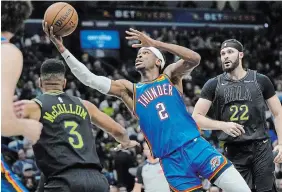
(232, 43)
(157, 53)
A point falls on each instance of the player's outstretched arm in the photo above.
(202, 107)
(107, 124)
(120, 88)
(12, 64)
(189, 59)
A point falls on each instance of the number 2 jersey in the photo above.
(66, 140)
(163, 116)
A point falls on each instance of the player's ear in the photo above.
(40, 82)
(158, 62)
(65, 83)
(241, 55)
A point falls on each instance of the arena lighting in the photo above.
(266, 25)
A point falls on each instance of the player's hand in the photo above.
(145, 40)
(277, 154)
(31, 130)
(232, 129)
(130, 144)
(57, 40)
(15, 98)
(19, 107)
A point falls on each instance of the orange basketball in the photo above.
(63, 17)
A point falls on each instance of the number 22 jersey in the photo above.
(163, 116)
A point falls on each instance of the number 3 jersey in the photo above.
(66, 140)
(163, 116)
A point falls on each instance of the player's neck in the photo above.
(7, 35)
(149, 75)
(237, 74)
(52, 89)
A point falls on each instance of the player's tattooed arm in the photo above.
(107, 124)
(189, 59)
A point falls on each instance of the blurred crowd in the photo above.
(263, 52)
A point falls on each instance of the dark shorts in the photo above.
(74, 180)
(254, 160)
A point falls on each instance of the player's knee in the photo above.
(231, 180)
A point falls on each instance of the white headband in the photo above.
(157, 53)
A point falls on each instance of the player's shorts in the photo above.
(183, 167)
(77, 180)
(10, 182)
(254, 160)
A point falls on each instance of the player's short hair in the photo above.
(52, 69)
(13, 14)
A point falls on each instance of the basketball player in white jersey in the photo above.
(13, 15)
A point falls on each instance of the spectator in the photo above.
(73, 91)
(25, 167)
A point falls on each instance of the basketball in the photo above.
(63, 17)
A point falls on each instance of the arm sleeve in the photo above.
(138, 178)
(266, 86)
(82, 73)
(208, 91)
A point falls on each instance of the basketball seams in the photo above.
(73, 10)
(63, 18)
(76, 23)
(58, 14)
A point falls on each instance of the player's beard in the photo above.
(233, 66)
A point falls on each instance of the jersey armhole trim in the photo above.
(256, 83)
(134, 101)
(217, 88)
(37, 102)
(81, 101)
(169, 79)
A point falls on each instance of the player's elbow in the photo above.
(195, 115)
(278, 113)
(197, 58)
(194, 59)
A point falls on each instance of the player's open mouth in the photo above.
(227, 63)
(138, 62)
